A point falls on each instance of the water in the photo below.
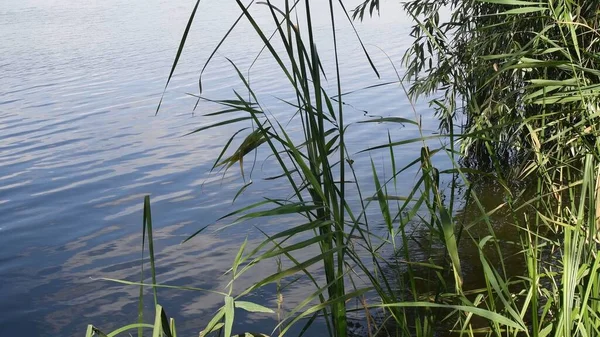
(80, 147)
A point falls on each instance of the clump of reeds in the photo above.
(524, 74)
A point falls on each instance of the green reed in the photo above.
(523, 72)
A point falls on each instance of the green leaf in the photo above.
(487, 314)
(250, 143)
(341, 299)
(546, 331)
(388, 197)
(525, 10)
(195, 233)
(241, 190)
(402, 142)
(229, 315)
(383, 205)
(157, 327)
(225, 122)
(295, 208)
(148, 225)
(172, 327)
(252, 307)
(238, 256)
(391, 120)
(179, 51)
(296, 268)
(451, 245)
(130, 327)
(90, 331)
(166, 286)
(547, 82)
(296, 246)
(511, 2)
(213, 324)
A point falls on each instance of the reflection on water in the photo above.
(80, 146)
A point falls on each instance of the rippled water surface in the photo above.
(80, 147)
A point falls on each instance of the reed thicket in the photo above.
(524, 74)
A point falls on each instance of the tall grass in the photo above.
(523, 73)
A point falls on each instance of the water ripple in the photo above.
(80, 146)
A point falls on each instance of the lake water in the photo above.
(80, 147)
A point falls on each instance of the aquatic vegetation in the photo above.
(523, 73)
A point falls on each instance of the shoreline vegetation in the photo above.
(525, 75)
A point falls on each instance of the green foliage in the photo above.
(523, 72)
(515, 66)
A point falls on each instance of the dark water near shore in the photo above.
(80, 147)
